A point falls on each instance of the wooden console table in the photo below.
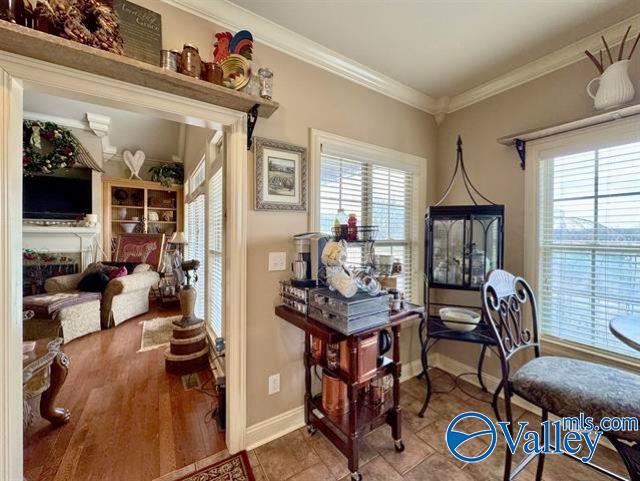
(345, 431)
(44, 371)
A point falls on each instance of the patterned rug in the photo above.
(156, 333)
(234, 468)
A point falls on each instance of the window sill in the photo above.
(559, 347)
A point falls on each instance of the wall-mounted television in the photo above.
(65, 194)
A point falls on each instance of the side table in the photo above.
(44, 371)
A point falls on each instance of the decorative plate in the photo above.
(236, 71)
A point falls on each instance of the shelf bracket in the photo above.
(252, 119)
(522, 151)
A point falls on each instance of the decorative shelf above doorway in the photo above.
(49, 48)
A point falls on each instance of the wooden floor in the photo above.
(130, 420)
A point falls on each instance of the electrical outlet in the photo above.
(277, 261)
(274, 384)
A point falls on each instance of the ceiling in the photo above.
(158, 138)
(443, 48)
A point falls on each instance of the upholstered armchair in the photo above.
(125, 297)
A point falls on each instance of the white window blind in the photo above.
(589, 242)
(216, 253)
(377, 195)
(196, 246)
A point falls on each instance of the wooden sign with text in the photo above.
(141, 30)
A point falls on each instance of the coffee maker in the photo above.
(307, 262)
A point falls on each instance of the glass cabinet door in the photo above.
(448, 251)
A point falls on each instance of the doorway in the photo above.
(18, 75)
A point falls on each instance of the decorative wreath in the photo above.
(61, 151)
(91, 22)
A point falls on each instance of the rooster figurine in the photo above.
(226, 44)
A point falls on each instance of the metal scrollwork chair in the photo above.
(558, 385)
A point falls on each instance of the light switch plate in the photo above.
(277, 261)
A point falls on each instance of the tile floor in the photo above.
(301, 457)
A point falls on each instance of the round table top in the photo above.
(627, 329)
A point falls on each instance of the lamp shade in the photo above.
(178, 237)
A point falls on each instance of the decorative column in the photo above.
(189, 350)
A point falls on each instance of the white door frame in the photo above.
(18, 73)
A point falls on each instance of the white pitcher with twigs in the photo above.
(614, 85)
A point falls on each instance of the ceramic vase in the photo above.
(614, 88)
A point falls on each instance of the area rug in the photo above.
(156, 333)
(233, 468)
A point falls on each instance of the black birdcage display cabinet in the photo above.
(464, 243)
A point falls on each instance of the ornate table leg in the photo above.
(396, 427)
(27, 415)
(352, 392)
(59, 369)
(424, 351)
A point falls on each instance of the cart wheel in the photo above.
(311, 430)
(399, 445)
(356, 476)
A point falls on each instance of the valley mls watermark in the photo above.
(572, 434)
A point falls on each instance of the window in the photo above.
(196, 233)
(588, 237)
(216, 253)
(378, 195)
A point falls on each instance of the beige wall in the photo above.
(494, 168)
(309, 97)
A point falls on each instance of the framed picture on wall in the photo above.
(281, 175)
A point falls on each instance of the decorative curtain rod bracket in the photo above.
(521, 147)
(252, 120)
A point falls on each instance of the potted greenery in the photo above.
(167, 174)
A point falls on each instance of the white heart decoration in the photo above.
(134, 162)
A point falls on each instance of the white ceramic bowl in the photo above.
(459, 319)
(129, 226)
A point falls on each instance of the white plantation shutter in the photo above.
(589, 240)
(377, 195)
(196, 246)
(216, 253)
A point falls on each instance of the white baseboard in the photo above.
(277, 426)
(411, 369)
(273, 428)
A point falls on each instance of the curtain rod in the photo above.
(520, 139)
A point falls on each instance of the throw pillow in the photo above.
(142, 268)
(93, 268)
(94, 282)
(118, 272)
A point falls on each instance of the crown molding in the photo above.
(234, 17)
(266, 32)
(549, 63)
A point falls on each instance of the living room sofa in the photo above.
(125, 297)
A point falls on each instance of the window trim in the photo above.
(363, 151)
(610, 133)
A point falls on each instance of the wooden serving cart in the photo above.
(345, 431)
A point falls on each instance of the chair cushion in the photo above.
(567, 387)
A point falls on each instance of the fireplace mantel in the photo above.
(64, 240)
